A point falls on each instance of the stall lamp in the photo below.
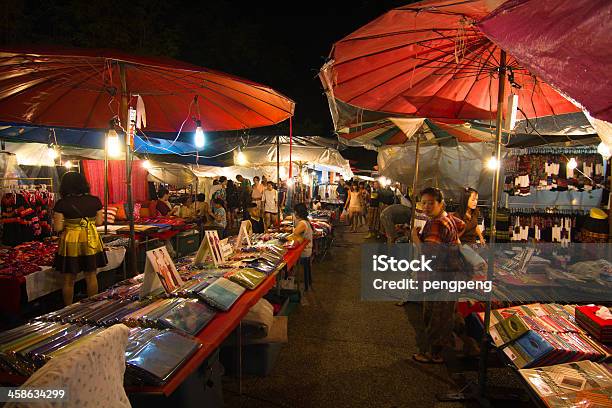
(68, 164)
(146, 164)
(200, 138)
(603, 149)
(290, 182)
(241, 159)
(572, 164)
(52, 152)
(493, 163)
(113, 146)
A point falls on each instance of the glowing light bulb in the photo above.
(603, 149)
(52, 153)
(146, 164)
(241, 159)
(200, 138)
(282, 173)
(113, 146)
(68, 164)
(493, 163)
(290, 182)
(572, 164)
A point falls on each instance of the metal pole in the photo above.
(131, 255)
(278, 186)
(415, 180)
(106, 186)
(484, 346)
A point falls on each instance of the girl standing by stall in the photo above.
(80, 249)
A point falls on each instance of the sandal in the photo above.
(427, 359)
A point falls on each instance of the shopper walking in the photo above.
(302, 231)
(232, 200)
(80, 249)
(353, 205)
(270, 205)
(257, 193)
(374, 211)
(441, 238)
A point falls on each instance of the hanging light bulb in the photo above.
(68, 164)
(493, 163)
(200, 138)
(603, 149)
(290, 182)
(572, 164)
(146, 164)
(52, 152)
(113, 146)
(241, 159)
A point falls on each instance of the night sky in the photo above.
(282, 45)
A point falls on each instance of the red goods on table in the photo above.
(26, 258)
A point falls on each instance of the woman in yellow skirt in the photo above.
(75, 217)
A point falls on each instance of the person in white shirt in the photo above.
(270, 204)
(257, 193)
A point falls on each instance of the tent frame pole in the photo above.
(131, 255)
(278, 175)
(484, 344)
(106, 185)
(415, 180)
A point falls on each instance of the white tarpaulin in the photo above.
(37, 154)
(174, 174)
(315, 157)
(445, 167)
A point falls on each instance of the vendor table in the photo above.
(43, 282)
(211, 336)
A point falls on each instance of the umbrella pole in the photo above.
(484, 345)
(278, 174)
(415, 180)
(131, 255)
(106, 186)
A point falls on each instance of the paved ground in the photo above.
(343, 352)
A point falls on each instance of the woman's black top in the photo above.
(258, 226)
(78, 206)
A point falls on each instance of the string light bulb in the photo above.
(200, 138)
(572, 164)
(241, 159)
(52, 152)
(290, 182)
(68, 164)
(146, 164)
(113, 146)
(604, 150)
(493, 163)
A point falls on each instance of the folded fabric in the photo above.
(161, 356)
(249, 278)
(221, 294)
(258, 321)
(189, 316)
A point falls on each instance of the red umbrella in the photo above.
(430, 60)
(565, 42)
(82, 89)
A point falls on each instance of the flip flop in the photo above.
(423, 359)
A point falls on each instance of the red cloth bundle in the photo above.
(598, 327)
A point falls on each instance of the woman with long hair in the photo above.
(468, 213)
(354, 207)
(80, 248)
(440, 237)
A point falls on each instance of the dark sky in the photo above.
(282, 45)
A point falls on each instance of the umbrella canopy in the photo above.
(83, 89)
(429, 59)
(565, 42)
(397, 131)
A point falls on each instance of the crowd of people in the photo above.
(228, 203)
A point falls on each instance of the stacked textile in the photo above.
(581, 384)
(597, 320)
(27, 258)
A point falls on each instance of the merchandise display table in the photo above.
(211, 337)
(43, 282)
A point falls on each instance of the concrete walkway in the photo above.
(344, 352)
